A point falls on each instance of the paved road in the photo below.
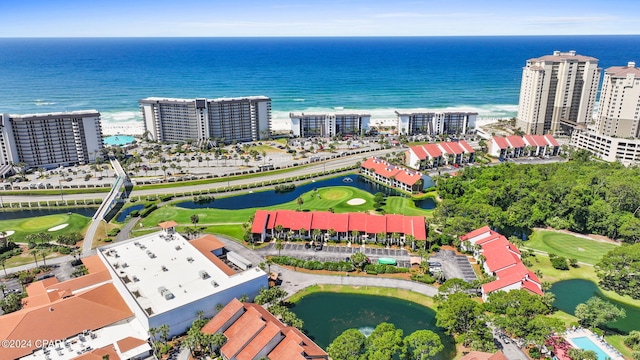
(294, 281)
(327, 165)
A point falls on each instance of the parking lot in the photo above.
(454, 266)
(337, 253)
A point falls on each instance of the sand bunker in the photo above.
(9, 232)
(356, 201)
(59, 227)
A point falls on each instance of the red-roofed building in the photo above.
(528, 145)
(339, 226)
(502, 260)
(253, 333)
(392, 175)
(427, 156)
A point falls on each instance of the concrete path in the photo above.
(294, 281)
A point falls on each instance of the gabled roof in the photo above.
(501, 142)
(551, 140)
(168, 224)
(91, 309)
(225, 315)
(515, 141)
(99, 354)
(474, 233)
(465, 146)
(420, 151)
(387, 170)
(432, 150)
(259, 221)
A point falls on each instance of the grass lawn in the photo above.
(617, 342)
(23, 227)
(234, 231)
(569, 246)
(366, 290)
(228, 222)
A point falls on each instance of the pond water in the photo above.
(570, 293)
(327, 315)
(271, 197)
(122, 216)
(27, 213)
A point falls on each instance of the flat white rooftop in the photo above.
(259, 97)
(56, 114)
(163, 271)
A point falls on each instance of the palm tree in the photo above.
(279, 229)
(381, 235)
(331, 232)
(44, 253)
(354, 235)
(35, 253)
(302, 232)
(2, 263)
(316, 233)
(279, 246)
(195, 219)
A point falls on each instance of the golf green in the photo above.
(43, 222)
(335, 193)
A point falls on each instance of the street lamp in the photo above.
(61, 193)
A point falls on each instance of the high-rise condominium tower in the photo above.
(50, 140)
(618, 114)
(228, 119)
(558, 92)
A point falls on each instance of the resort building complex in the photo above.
(225, 119)
(50, 140)
(517, 146)
(132, 286)
(557, 93)
(254, 333)
(328, 125)
(615, 135)
(355, 227)
(436, 123)
(502, 260)
(393, 176)
(428, 156)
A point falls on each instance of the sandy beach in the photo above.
(122, 128)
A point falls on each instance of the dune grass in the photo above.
(585, 250)
(24, 227)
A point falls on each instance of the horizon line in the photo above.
(304, 36)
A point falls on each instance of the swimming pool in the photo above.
(586, 344)
(118, 140)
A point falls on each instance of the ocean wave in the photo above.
(120, 116)
(299, 100)
(39, 102)
(484, 111)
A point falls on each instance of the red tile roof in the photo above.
(474, 233)
(551, 140)
(501, 142)
(387, 170)
(465, 146)
(129, 343)
(168, 224)
(420, 151)
(256, 330)
(91, 309)
(346, 222)
(516, 141)
(206, 245)
(259, 221)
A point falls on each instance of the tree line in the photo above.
(579, 195)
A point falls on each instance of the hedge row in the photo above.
(313, 264)
(384, 269)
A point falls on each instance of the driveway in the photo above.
(455, 266)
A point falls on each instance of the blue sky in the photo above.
(88, 18)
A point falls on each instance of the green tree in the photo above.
(421, 344)
(350, 345)
(619, 270)
(195, 219)
(270, 296)
(596, 312)
(458, 314)
(581, 354)
(359, 260)
(11, 303)
(514, 310)
(279, 246)
(633, 340)
(384, 342)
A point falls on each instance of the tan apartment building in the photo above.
(557, 93)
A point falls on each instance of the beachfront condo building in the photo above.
(436, 123)
(617, 129)
(557, 93)
(329, 125)
(50, 140)
(224, 119)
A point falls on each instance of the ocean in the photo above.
(377, 75)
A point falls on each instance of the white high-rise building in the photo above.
(436, 123)
(615, 135)
(228, 119)
(329, 124)
(558, 92)
(50, 140)
(620, 102)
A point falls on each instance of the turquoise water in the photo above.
(327, 315)
(377, 74)
(586, 344)
(118, 140)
